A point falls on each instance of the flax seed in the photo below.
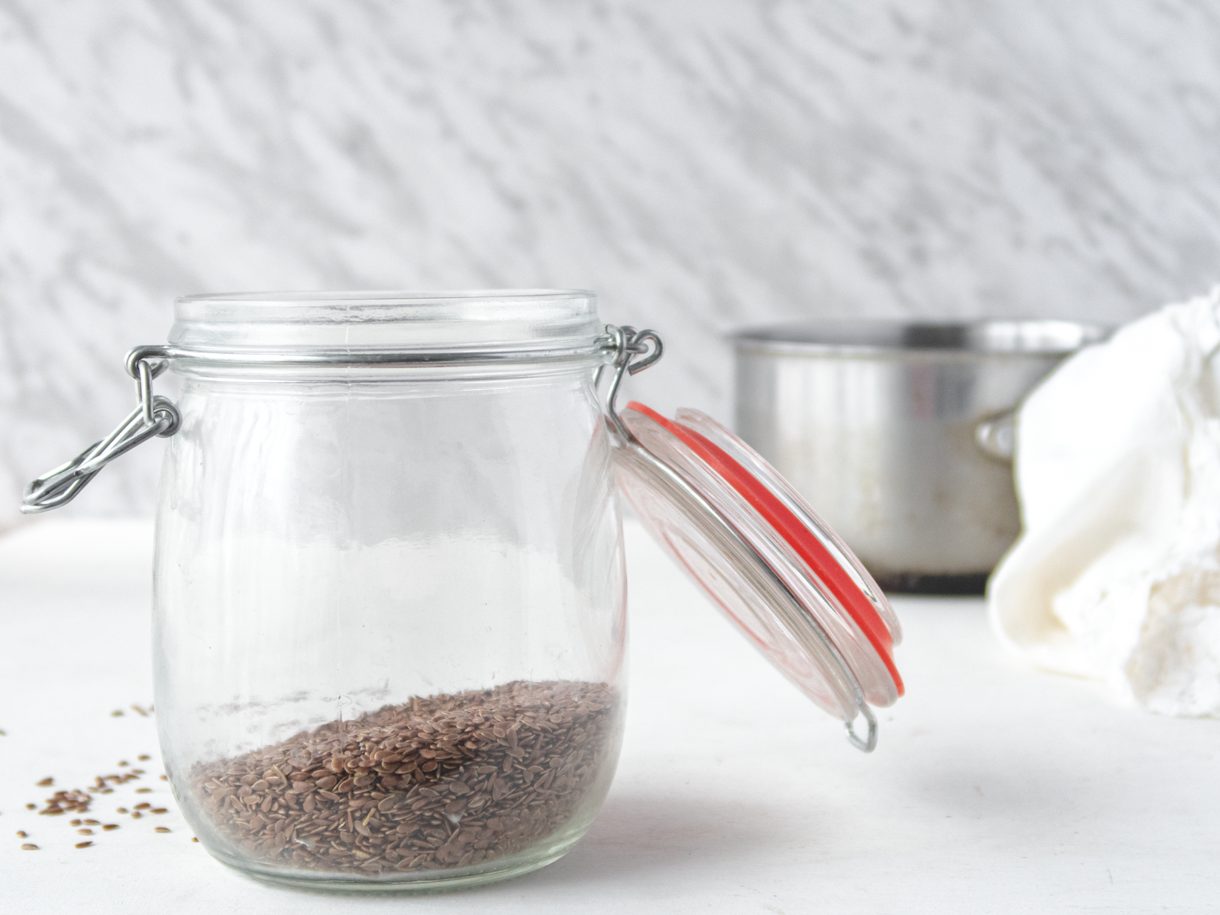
(434, 783)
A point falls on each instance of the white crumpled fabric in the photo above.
(1116, 575)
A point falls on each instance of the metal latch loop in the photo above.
(632, 351)
(153, 416)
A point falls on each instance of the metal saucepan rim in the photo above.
(983, 338)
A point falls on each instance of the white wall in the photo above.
(701, 164)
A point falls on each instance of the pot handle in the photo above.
(996, 435)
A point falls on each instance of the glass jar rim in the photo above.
(386, 325)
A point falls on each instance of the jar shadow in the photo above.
(640, 833)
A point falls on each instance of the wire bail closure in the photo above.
(156, 416)
(633, 351)
(153, 416)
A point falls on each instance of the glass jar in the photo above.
(389, 595)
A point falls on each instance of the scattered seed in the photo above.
(31, 806)
(159, 810)
(143, 805)
(194, 838)
(117, 713)
(84, 832)
(45, 782)
(109, 826)
(62, 802)
(123, 764)
(143, 757)
(162, 829)
(83, 844)
(22, 834)
(74, 823)
(29, 846)
(144, 791)
(136, 815)
(163, 778)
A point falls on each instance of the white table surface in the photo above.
(994, 788)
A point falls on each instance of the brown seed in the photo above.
(162, 829)
(117, 713)
(158, 810)
(143, 805)
(436, 782)
(135, 815)
(31, 806)
(144, 791)
(121, 810)
(45, 782)
(83, 844)
(84, 832)
(29, 846)
(194, 838)
(22, 834)
(143, 757)
(110, 826)
(74, 823)
(90, 822)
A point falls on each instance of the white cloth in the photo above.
(1116, 574)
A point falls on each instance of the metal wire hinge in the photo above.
(633, 351)
(153, 416)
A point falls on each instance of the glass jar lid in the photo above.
(775, 569)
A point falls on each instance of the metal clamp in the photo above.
(868, 742)
(633, 351)
(153, 416)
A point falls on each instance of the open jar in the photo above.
(389, 611)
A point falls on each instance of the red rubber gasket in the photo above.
(816, 557)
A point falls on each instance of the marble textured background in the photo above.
(701, 164)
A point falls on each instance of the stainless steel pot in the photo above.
(900, 433)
